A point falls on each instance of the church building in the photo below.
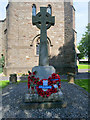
(20, 39)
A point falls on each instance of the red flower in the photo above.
(30, 73)
(34, 73)
(31, 78)
(35, 81)
(28, 84)
(49, 78)
(37, 78)
(54, 74)
(32, 88)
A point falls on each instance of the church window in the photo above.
(37, 49)
(34, 10)
(49, 9)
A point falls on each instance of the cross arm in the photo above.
(51, 20)
(36, 19)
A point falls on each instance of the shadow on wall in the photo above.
(65, 61)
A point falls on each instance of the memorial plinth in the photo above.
(47, 90)
(43, 72)
(55, 97)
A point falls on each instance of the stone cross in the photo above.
(43, 20)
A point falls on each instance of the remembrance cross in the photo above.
(43, 20)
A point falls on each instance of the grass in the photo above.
(83, 66)
(5, 83)
(0, 70)
(81, 82)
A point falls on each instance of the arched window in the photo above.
(34, 10)
(37, 46)
(37, 49)
(49, 9)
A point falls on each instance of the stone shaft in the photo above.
(43, 52)
(43, 21)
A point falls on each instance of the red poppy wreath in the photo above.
(45, 87)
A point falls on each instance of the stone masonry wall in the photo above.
(69, 46)
(2, 36)
(20, 56)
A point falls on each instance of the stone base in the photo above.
(43, 72)
(36, 98)
(34, 101)
(44, 105)
(71, 78)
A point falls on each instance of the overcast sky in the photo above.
(81, 15)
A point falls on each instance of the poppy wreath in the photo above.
(53, 80)
(32, 81)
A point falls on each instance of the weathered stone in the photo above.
(43, 20)
(43, 72)
(13, 78)
(36, 98)
(71, 78)
(43, 105)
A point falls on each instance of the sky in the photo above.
(81, 15)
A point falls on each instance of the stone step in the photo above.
(44, 105)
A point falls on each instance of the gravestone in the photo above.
(44, 21)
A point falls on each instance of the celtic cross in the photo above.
(43, 20)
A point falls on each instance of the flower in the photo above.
(29, 72)
(34, 82)
(37, 78)
(32, 88)
(33, 73)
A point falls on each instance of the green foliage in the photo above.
(84, 44)
(83, 66)
(24, 74)
(3, 84)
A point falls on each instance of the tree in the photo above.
(84, 45)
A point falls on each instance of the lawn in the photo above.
(3, 84)
(0, 70)
(83, 66)
(82, 83)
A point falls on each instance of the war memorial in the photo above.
(42, 43)
(46, 85)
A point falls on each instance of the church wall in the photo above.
(2, 37)
(21, 57)
(69, 46)
(1, 23)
